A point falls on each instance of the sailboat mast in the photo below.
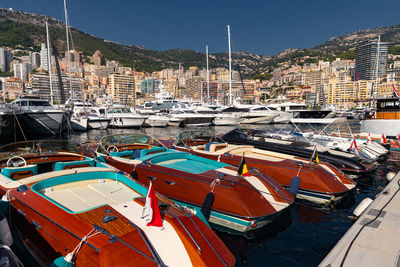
(230, 66)
(49, 64)
(68, 49)
(208, 77)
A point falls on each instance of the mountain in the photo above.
(27, 30)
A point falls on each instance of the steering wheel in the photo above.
(113, 149)
(16, 161)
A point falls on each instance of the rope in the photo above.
(214, 183)
(19, 125)
(71, 256)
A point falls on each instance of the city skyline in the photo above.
(257, 27)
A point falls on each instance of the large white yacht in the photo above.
(40, 117)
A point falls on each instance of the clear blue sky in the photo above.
(262, 26)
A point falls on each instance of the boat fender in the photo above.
(5, 233)
(390, 176)
(62, 262)
(134, 175)
(205, 208)
(362, 206)
(294, 186)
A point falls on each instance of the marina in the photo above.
(303, 234)
(115, 154)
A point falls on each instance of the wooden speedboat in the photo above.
(239, 203)
(320, 183)
(345, 162)
(91, 214)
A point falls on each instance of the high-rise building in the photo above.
(22, 71)
(5, 59)
(43, 57)
(150, 86)
(41, 84)
(367, 59)
(35, 59)
(122, 88)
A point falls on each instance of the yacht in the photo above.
(152, 118)
(189, 117)
(39, 117)
(121, 116)
(301, 111)
(220, 118)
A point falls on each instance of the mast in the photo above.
(208, 77)
(230, 65)
(49, 64)
(72, 94)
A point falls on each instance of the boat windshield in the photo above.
(188, 137)
(42, 146)
(120, 141)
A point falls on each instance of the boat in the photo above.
(86, 117)
(39, 117)
(186, 116)
(220, 118)
(385, 120)
(121, 116)
(241, 204)
(320, 183)
(300, 111)
(346, 162)
(152, 118)
(91, 214)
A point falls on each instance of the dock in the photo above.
(373, 240)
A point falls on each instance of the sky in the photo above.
(263, 26)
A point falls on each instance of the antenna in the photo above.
(230, 66)
(49, 64)
(208, 77)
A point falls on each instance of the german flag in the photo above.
(243, 171)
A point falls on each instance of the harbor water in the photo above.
(304, 235)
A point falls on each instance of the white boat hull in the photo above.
(156, 121)
(98, 123)
(265, 119)
(126, 122)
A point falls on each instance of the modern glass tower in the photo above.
(369, 56)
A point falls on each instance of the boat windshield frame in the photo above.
(126, 139)
(200, 135)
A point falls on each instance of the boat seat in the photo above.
(217, 146)
(74, 164)
(208, 145)
(17, 173)
(153, 150)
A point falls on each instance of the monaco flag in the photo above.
(151, 212)
(369, 138)
(383, 139)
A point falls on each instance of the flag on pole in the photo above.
(383, 139)
(243, 171)
(354, 147)
(395, 92)
(314, 156)
(151, 212)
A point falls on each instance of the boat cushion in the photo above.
(146, 152)
(74, 164)
(16, 173)
(217, 146)
(122, 154)
(208, 145)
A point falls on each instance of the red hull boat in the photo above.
(239, 203)
(319, 182)
(91, 214)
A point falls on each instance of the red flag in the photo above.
(383, 139)
(355, 148)
(369, 137)
(152, 212)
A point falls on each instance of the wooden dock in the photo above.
(374, 239)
